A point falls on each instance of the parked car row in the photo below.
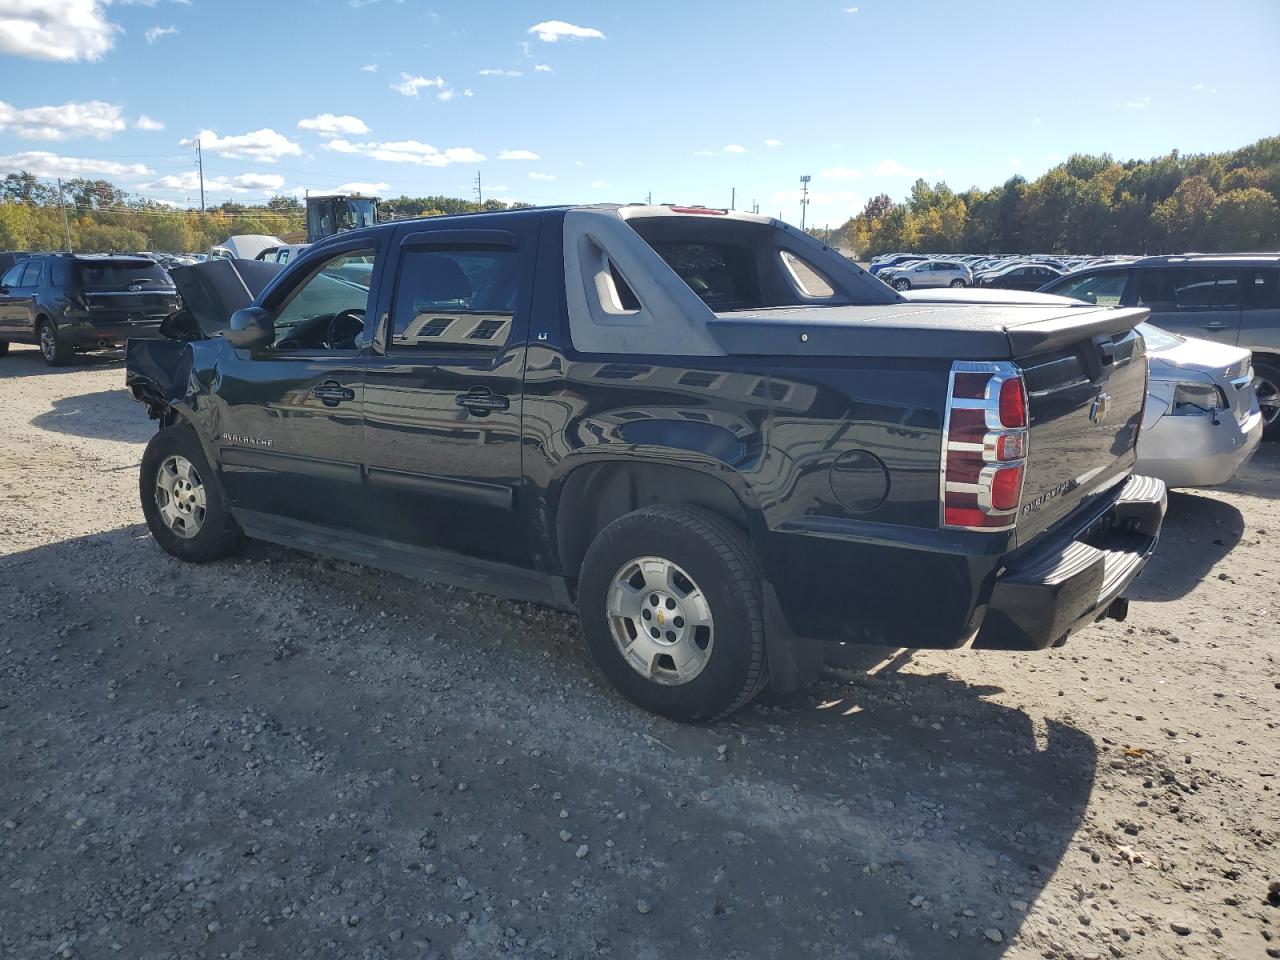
(1232, 299)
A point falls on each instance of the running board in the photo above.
(438, 566)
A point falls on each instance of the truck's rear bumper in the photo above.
(1069, 582)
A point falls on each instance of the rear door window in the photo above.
(454, 299)
(1188, 288)
(31, 275)
(1262, 290)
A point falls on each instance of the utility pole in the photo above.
(804, 197)
(733, 198)
(755, 205)
(200, 167)
(649, 198)
(66, 224)
(479, 190)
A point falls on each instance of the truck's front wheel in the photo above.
(182, 501)
(670, 603)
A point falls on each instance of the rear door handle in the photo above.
(1217, 325)
(331, 393)
(481, 401)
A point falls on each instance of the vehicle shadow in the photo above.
(1260, 477)
(104, 415)
(354, 728)
(1198, 532)
(25, 361)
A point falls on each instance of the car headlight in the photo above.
(1191, 399)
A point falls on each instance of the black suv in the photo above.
(67, 303)
(1230, 298)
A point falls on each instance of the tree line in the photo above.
(1089, 204)
(99, 217)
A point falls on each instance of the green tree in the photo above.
(1244, 220)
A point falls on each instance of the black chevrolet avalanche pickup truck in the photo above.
(719, 441)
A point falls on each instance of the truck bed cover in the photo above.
(944, 331)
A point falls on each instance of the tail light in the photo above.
(984, 446)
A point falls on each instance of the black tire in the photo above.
(4, 347)
(1266, 380)
(902, 283)
(218, 535)
(719, 559)
(53, 348)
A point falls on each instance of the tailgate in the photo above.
(1085, 403)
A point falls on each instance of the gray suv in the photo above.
(1230, 298)
(927, 273)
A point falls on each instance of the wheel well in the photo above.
(1271, 360)
(597, 494)
(35, 325)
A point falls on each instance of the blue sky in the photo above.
(571, 101)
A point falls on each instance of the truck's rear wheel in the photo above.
(670, 604)
(182, 501)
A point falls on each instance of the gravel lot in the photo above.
(288, 757)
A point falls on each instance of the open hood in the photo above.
(212, 292)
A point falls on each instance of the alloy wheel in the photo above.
(48, 343)
(1268, 392)
(180, 496)
(660, 620)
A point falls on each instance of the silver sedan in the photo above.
(1202, 422)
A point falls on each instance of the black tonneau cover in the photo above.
(942, 331)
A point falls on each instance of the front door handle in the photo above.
(1217, 325)
(481, 401)
(331, 393)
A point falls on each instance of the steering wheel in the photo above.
(352, 319)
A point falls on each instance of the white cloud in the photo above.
(518, 155)
(892, 168)
(264, 145)
(597, 184)
(407, 151)
(773, 142)
(159, 33)
(468, 92)
(411, 84)
(244, 183)
(496, 72)
(850, 9)
(541, 68)
(330, 123)
(146, 123)
(704, 153)
(1140, 103)
(1037, 121)
(357, 186)
(550, 31)
(369, 68)
(42, 163)
(734, 148)
(90, 118)
(62, 30)
(1016, 163)
(535, 175)
(447, 94)
(1198, 87)
(842, 173)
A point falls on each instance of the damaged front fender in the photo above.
(160, 374)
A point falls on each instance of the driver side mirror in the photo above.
(251, 328)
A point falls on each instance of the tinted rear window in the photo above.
(722, 274)
(122, 274)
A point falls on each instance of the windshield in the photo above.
(353, 214)
(122, 274)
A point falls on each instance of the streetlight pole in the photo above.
(804, 197)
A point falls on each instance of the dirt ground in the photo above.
(287, 757)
